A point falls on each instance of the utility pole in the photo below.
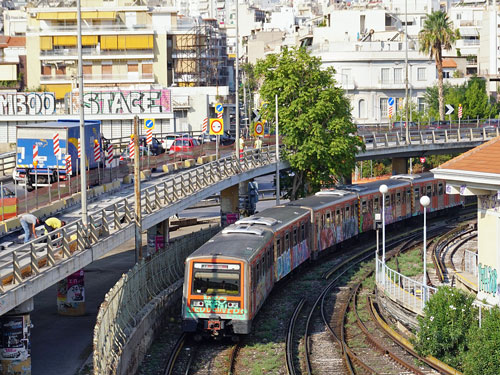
(236, 77)
(406, 80)
(83, 159)
(137, 193)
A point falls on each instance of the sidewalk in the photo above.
(61, 344)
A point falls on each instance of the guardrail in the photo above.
(115, 222)
(7, 163)
(123, 303)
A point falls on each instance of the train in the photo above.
(228, 279)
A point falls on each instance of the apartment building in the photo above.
(12, 62)
(117, 41)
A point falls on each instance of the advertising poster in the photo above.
(15, 351)
(71, 294)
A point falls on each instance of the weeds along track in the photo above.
(208, 357)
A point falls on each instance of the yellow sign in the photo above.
(219, 108)
(149, 123)
(259, 129)
(216, 126)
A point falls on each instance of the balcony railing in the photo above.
(89, 29)
(100, 77)
(95, 52)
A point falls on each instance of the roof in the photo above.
(449, 63)
(12, 41)
(61, 124)
(483, 158)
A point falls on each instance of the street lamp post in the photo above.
(425, 201)
(383, 189)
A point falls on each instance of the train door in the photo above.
(409, 201)
(416, 199)
(399, 203)
(434, 198)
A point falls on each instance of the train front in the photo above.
(214, 297)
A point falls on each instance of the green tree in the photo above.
(431, 98)
(484, 345)
(314, 118)
(447, 318)
(436, 35)
(477, 101)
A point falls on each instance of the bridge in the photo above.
(31, 268)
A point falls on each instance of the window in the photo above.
(421, 104)
(133, 67)
(87, 70)
(376, 206)
(398, 75)
(446, 74)
(147, 68)
(421, 74)
(46, 71)
(107, 70)
(429, 191)
(220, 283)
(387, 200)
(287, 241)
(362, 109)
(278, 246)
(295, 237)
(347, 213)
(417, 194)
(385, 74)
(364, 208)
(440, 186)
(383, 107)
(302, 232)
(60, 70)
(398, 198)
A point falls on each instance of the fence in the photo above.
(118, 313)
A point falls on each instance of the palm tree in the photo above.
(436, 35)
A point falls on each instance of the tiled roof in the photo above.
(483, 159)
(449, 63)
(12, 41)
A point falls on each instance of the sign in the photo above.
(131, 148)
(28, 103)
(204, 126)
(259, 129)
(79, 149)
(57, 149)
(216, 126)
(256, 115)
(390, 109)
(110, 156)
(35, 155)
(69, 169)
(449, 109)
(149, 136)
(149, 123)
(219, 108)
(460, 111)
(400, 103)
(124, 102)
(422, 160)
(97, 151)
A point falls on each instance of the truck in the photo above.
(48, 166)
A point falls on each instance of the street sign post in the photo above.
(459, 115)
(390, 110)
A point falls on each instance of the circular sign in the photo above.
(422, 159)
(219, 108)
(149, 123)
(216, 126)
(259, 128)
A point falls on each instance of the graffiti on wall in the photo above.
(488, 202)
(124, 102)
(487, 279)
(28, 103)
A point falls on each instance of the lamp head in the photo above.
(425, 201)
(383, 189)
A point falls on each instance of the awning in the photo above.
(58, 90)
(72, 15)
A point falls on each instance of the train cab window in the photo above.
(429, 190)
(220, 283)
(398, 198)
(440, 190)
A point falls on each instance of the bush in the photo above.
(448, 315)
(484, 345)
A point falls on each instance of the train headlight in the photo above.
(195, 303)
(233, 305)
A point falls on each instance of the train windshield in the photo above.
(213, 282)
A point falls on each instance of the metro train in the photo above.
(228, 278)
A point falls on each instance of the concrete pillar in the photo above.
(158, 237)
(15, 355)
(399, 166)
(71, 295)
(229, 202)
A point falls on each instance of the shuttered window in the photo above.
(108, 42)
(133, 67)
(147, 68)
(46, 43)
(66, 40)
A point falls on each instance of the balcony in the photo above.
(90, 29)
(181, 102)
(95, 54)
(391, 83)
(101, 78)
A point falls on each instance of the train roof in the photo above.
(276, 217)
(317, 202)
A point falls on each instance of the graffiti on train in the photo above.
(331, 234)
(216, 305)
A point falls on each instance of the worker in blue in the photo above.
(28, 222)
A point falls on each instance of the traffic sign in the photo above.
(259, 129)
(149, 123)
(422, 160)
(400, 103)
(390, 110)
(256, 115)
(216, 126)
(449, 109)
(460, 111)
(219, 108)
(204, 127)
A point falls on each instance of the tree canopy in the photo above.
(314, 118)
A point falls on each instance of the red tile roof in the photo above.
(449, 63)
(12, 41)
(483, 159)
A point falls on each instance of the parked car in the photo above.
(399, 125)
(169, 139)
(156, 146)
(438, 124)
(226, 139)
(183, 145)
(125, 155)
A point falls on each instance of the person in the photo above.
(53, 223)
(258, 143)
(242, 146)
(28, 222)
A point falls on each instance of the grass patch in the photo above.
(264, 359)
(410, 263)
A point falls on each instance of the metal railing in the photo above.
(7, 163)
(411, 293)
(123, 303)
(40, 255)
